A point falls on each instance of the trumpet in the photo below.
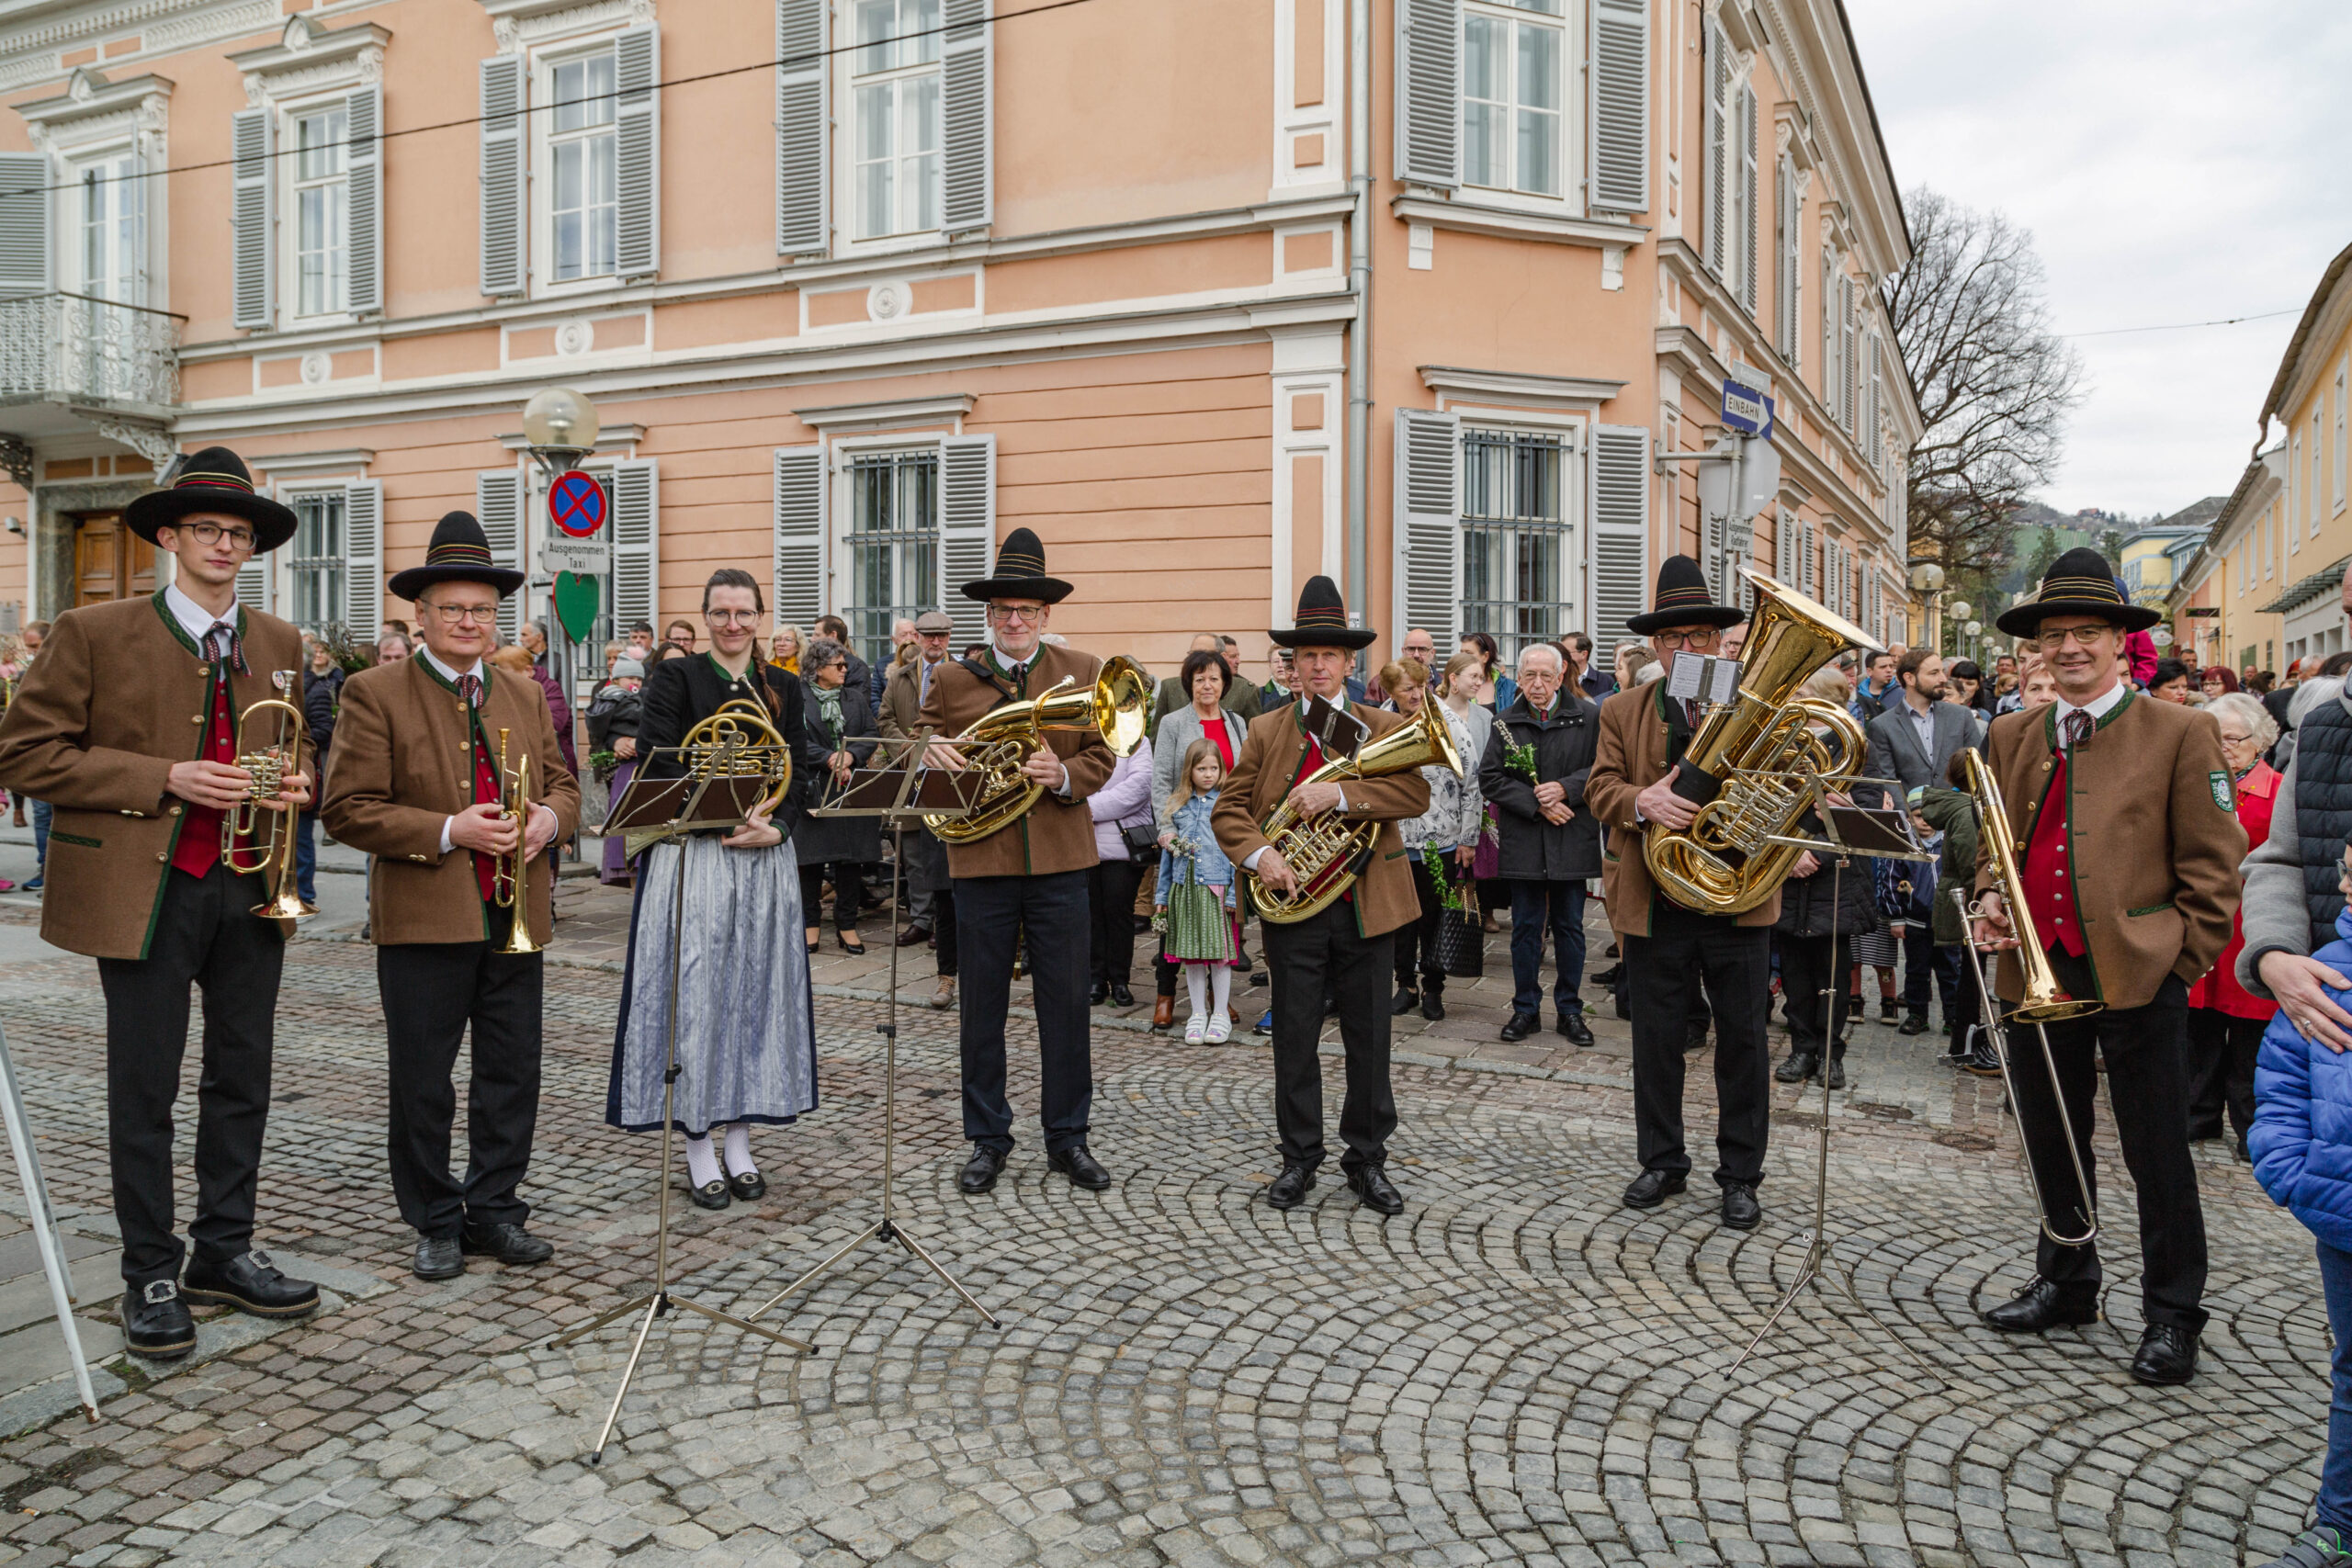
(510, 877)
(2045, 1001)
(253, 815)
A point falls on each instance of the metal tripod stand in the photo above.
(45, 1236)
(900, 807)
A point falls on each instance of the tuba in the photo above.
(1327, 854)
(1762, 748)
(268, 767)
(1117, 708)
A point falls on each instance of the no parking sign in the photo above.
(576, 503)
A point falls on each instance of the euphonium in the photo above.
(1117, 706)
(510, 878)
(269, 768)
(1764, 748)
(1327, 853)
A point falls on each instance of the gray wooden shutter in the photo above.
(24, 223)
(1621, 534)
(802, 178)
(967, 528)
(498, 506)
(1788, 543)
(363, 559)
(1429, 92)
(801, 541)
(967, 91)
(1787, 277)
(1620, 106)
(637, 137)
(1848, 352)
(1811, 586)
(251, 213)
(501, 175)
(254, 582)
(1429, 522)
(1716, 85)
(1747, 215)
(363, 209)
(1828, 332)
(636, 542)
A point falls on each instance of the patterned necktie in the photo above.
(1690, 712)
(2076, 729)
(469, 688)
(223, 646)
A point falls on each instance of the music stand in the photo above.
(1879, 834)
(46, 1238)
(898, 793)
(665, 811)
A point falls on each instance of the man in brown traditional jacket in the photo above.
(127, 725)
(1347, 950)
(2127, 843)
(415, 781)
(1029, 874)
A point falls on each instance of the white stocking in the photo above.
(1221, 984)
(702, 1162)
(739, 1150)
(1196, 982)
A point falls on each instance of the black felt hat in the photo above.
(1322, 620)
(1019, 573)
(459, 553)
(1683, 599)
(2080, 583)
(215, 480)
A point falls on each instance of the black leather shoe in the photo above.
(2042, 1306)
(1432, 1004)
(1741, 1211)
(1120, 995)
(980, 1171)
(1797, 1069)
(1915, 1024)
(2167, 1357)
(510, 1244)
(1607, 977)
(1652, 1188)
(1291, 1188)
(1080, 1168)
(1521, 1026)
(250, 1283)
(1578, 1033)
(156, 1322)
(911, 934)
(1836, 1073)
(437, 1257)
(711, 1194)
(1097, 994)
(748, 1185)
(1886, 1009)
(1403, 1002)
(1981, 1060)
(1374, 1190)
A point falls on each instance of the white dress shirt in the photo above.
(2098, 707)
(478, 674)
(192, 617)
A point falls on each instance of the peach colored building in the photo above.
(1204, 294)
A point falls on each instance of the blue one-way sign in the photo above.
(1747, 408)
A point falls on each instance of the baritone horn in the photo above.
(1327, 853)
(253, 817)
(1117, 706)
(510, 877)
(2044, 1002)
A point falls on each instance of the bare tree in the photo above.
(1994, 383)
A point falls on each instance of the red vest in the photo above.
(485, 792)
(2048, 877)
(199, 848)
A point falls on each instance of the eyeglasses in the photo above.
(2236, 738)
(212, 534)
(1704, 637)
(732, 618)
(2085, 637)
(452, 614)
(1029, 613)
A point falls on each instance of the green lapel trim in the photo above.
(2050, 718)
(179, 632)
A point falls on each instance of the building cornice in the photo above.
(1519, 389)
(1818, 61)
(33, 40)
(898, 413)
(1512, 223)
(307, 56)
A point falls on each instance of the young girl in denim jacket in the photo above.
(1195, 895)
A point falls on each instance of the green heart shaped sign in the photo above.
(575, 604)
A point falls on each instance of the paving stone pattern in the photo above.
(1515, 1369)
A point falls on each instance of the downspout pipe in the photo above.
(1359, 477)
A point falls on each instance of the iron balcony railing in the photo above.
(78, 349)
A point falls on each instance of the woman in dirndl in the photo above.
(1195, 895)
(746, 1022)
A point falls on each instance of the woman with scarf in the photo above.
(836, 714)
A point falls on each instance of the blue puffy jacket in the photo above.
(2301, 1139)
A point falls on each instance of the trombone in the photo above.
(510, 876)
(269, 768)
(2044, 1001)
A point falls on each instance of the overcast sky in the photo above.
(2176, 161)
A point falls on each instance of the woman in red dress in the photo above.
(2225, 1023)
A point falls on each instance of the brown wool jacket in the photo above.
(1271, 756)
(1631, 758)
(2152, 836)
(400, 768)
(118, 695)
(1054, 835)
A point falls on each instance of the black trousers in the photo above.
(1417, 942)
(1925, 969)
(2222, 1049)
(2146, 1050)
(432, 991)
(848, 888)
(1807, 964)
(1735, 964)
(1110, 911)
(205, 935)
(990, 911)
(942, 931)
(1325, 955)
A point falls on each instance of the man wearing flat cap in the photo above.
(127, 725)
(423, 753)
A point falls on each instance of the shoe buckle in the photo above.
(259, 1259)
(156, 1292)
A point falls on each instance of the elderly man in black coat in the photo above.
(1533, 772)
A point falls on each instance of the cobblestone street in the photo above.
(1515, 1369)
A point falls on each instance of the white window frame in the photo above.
(71, 216)
(281, 562)
(1573, 434)
(841, 565)
(539, 170)
(1569, 149)
(2343, 446)
(845, 149)
(288, 256)
(2319, 455)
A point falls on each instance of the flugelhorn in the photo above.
(252, 817)
(510, 877)
(1117, 706)
(2045, 1001)
(1327, 853)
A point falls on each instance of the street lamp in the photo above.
(1928, 578)
(559, 429)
